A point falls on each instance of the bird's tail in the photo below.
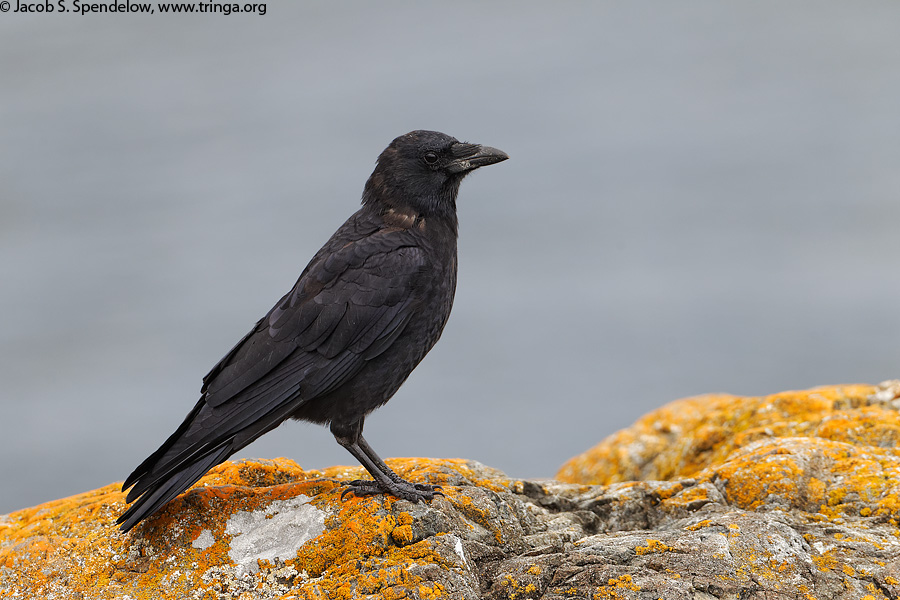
(160, 492)
(187, 455)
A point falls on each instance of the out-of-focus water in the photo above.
(700, 198)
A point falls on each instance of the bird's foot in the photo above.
(414, 492)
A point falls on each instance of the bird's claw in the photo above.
(359, 488)
(405, 490)
(435, 490)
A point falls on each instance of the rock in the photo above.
(791, 496)
(687, 436)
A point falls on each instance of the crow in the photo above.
(367, 308)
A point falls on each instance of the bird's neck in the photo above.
(400, 208)
(404, 217)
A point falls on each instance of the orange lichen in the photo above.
(515, 590)
(827, 561)
(614, 588)
(664, 492)
(687, 436)
(755, 477)
(830, 478)
(828, 451)
(433, 591)
(693, 496)
(815, 490)
(366, 547)
(653, 546)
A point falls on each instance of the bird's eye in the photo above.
(430, 158)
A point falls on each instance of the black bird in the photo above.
(366, 309)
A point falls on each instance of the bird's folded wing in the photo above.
(346, 308)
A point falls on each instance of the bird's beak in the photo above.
(468, 157)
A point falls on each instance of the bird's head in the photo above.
(421, 171)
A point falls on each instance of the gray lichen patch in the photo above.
(204, 540)
(275, 532)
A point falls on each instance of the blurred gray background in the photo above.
(702, 197)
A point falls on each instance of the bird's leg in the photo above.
(385, 480)
(368, 451)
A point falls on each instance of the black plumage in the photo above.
(368, 307)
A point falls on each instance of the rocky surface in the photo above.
(684, 437)
(790, 496)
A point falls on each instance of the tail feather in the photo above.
(208, 425)
(152, 460)
(186, 446)
(153, 500)
(162, 476)
(160, 473)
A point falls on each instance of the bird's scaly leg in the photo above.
(385, 480)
